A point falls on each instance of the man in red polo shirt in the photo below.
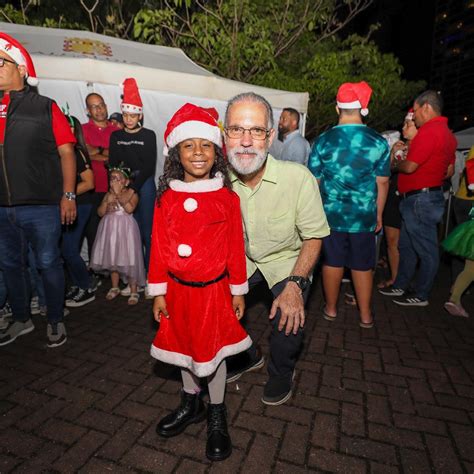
(97, 133)
(37, 192)
(429, 162)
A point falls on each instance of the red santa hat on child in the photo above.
(131, 100)
(354, 95)
(192, 121)
(20, 55)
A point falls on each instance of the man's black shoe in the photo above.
(219, 445)
(191, 410)
(243, 363)
(278, 389)
(81, 298)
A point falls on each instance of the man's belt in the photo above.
(422, 190)
(197, 284)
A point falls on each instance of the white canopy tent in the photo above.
(465, 138)
(70, 64)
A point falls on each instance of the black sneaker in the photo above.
(71, 292)
(411, 301)
(243, 363)
(56, 335)
(81, 298)
(278, 390)
(391, 291)
(95, 282)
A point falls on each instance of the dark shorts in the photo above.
(352, 250)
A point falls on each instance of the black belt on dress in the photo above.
(197, 284)
(418, 191)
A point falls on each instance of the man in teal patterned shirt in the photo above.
(352, 164)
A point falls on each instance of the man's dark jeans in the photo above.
(284, 349)
(144, 215)
(40, 227)
(71, 248)
(421, 214)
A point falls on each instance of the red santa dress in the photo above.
(198, 238)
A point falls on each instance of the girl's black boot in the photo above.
(219, 445)
(191, 410)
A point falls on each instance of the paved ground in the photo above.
(397, 398)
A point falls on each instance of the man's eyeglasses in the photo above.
(257, 133)
(97, 106)
(4, 60)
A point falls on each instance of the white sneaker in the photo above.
(5, 316)
(34, 305)
(15, 329)
(56, 336)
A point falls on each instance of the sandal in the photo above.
(133, 300)
(350, 299)
(328, 317)
(112, 293)
(367, 325)
(385, 284)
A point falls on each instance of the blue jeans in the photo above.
(144, 215)
(40, 227)
(37, 288)
(3, 290)
(421, 214)
(71, 248)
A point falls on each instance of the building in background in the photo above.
(452, 67)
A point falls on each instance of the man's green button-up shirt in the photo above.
(284, 209)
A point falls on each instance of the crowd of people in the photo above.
(236, 206)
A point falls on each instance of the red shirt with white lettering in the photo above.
(433, 149)
(61, 128)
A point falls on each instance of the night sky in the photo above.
(406, 30)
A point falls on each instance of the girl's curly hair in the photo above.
(173, 169)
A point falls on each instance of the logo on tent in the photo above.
(86, 46)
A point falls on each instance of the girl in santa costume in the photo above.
(197, 272)
(460, 242)
(117, 247)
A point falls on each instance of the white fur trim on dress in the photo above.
(241, 289)
(194, 129)
(190, 205)
(349, 105)
(157, 289)
(199, 186)
(184, 250)
(200, 369)
(131, 109)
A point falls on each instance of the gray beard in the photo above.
(244, 166)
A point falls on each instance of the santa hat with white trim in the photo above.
(354, 95)
(17, 52)
(131, 100)
(192, 121)
(410, 115)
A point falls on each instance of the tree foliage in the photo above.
(296, 45)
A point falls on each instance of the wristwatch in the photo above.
(302, 282)
(70, 196)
